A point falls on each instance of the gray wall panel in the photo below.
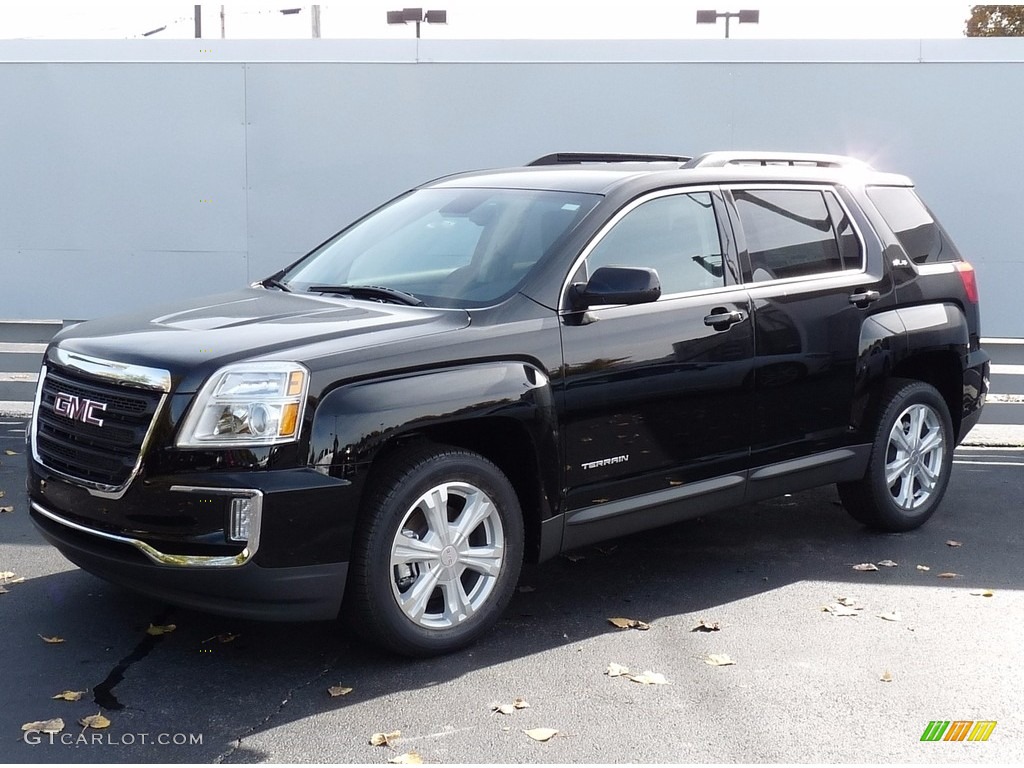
(69, 285)
(111, 151)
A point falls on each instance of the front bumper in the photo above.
(247, 590)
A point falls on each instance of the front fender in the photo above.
(353, 422)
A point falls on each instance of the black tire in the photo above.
(443, 521)
(913, 444)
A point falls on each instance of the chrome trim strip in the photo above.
(155, 555)
(95, 489)
(125, 374)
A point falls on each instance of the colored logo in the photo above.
(958, 730)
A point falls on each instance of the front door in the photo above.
(656, 396)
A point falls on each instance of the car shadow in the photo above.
(230, 679)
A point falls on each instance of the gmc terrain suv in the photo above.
(503, 365)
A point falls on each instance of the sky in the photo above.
(488, 19)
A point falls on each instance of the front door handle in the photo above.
(863, 298)
(721, 319)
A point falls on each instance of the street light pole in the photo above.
(417, 16)
(712, 17)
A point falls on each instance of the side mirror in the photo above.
(616, 285)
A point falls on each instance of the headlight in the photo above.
(247, 404)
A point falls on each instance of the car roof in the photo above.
(606, 177)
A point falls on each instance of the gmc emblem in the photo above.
(78, 408)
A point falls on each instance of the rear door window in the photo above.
(795, 233)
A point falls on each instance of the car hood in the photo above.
(194, 338)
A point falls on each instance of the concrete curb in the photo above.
(996, 436)
(17, 409)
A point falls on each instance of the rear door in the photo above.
(814, 272)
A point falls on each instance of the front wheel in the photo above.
(437, 553)
(911, 460)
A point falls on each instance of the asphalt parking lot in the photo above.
(805, 686)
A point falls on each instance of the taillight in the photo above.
(969, 280)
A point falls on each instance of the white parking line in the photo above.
(992, 463)
(21, 348)
(31, 378)
(1013, 370)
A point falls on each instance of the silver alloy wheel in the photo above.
(914, 456)
(447, 555)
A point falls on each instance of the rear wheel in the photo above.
(438, 551)
(911, 460)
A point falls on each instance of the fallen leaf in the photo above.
(69, 695)
(948, 575)
(982, 592)
(9, 452)
(892, 615)
(886, 677)
(384, 739)
(616, 670)
(888, 563)
(719, 660)
(8, 577)
(952, 543)
(837, 609)
(607, 550)
(339, 690)
(409, 758)
(923, 568)
(520, 703)
(3, 590)
(160, 629)
(56, 725)
(96, 722)
(6, 509)
(224, 637)
(541, 734)
(504, 709)
(573, 558)
(706, 626)
(629, 623)
(865, 567)
(526, 588)
(52, 640)
(650, 678)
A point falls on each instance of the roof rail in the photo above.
(577, 158)
(721, 159)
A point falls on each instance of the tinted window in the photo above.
(789, 233)
(918, 232)
(676, 235)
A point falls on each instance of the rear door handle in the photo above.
(863, 298)
(720, 318)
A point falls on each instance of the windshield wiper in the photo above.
(372, 292)
(274, 281)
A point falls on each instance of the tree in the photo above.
(995, 21)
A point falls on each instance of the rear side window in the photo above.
(795, 233)
(914, 226)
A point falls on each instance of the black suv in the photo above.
(503, 365)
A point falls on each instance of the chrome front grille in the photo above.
(92, 430)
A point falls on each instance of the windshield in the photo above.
(447, 247)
